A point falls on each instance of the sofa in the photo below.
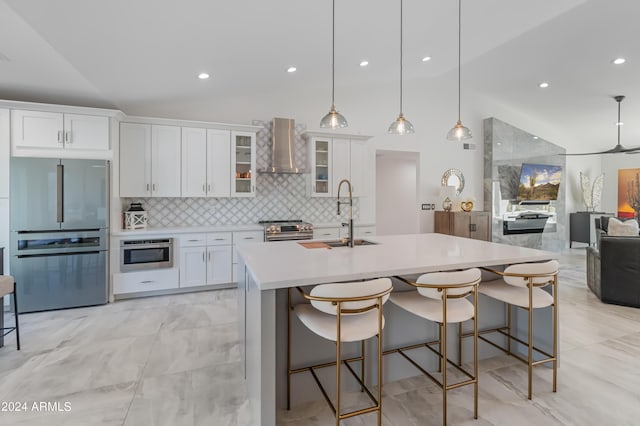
(613, 267)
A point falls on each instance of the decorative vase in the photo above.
(467, 206)
(447, 204)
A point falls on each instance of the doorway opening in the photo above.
(397, 183)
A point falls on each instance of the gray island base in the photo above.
(267, 270)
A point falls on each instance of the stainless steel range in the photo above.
(286, 230)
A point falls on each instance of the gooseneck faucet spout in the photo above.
(350, 208)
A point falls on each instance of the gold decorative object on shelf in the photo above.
(467, 206)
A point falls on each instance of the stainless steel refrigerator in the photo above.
(59, 232)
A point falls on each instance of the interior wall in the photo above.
(397, 192)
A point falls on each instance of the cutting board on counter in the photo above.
(315, 245)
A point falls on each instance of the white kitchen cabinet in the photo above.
(149, 160)
(359, 167)
(321, 182)
(194, 162)
(341, 164)
(240, 237)
(193, 266)
(219, 265)
(205, 259)
(334, 157)
(219, 162)
(206, 168)
(326, 233)
(165, 161)
(143, 281)
(135, 160)
(243, 164)
(364, 231)
(50, 130)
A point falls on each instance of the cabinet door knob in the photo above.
(60, 136)
(67, 136)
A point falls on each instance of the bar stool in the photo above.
(342, 312)
(8, 286)
(520, 285)
(441, 297)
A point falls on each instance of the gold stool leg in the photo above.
(362, 366)
(443, 350)
(555, 332)
(289, 349)
(460, 344)
(440, 347)
(475, 352)
(338, 338)
(509, 328)
(530, 354)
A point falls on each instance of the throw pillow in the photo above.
(627, 228)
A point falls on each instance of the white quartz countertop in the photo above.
(287, 264)
(339, 224)
(186, 230)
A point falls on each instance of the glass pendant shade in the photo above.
(401, 126)
(459, 132)
(333, 120)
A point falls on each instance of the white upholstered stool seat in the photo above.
(354, 327)
(342, 312)
(443, 298)
(522, 285)
(8, 286)
(519, 296)
(458, 310)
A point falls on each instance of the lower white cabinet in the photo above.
(205, 259)
(364, 231)
(142, 281)
(326, 233)
(240, 237)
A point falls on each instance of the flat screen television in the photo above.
(539, 182)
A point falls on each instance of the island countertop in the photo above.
(287, 264)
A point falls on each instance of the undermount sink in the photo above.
(343, 243)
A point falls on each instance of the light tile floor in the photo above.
(174, 360)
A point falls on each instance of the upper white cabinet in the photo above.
(334, 157)
(243, 163)
(206, 167)
(320, 160)
(37, 131)
(149, 160)
(165, 161)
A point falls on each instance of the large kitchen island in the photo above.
(266, 270)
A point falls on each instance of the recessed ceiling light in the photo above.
(543, 85)
(291, 69)
(619, 123)
(535, 137)
(203, 76)
(619, 61)
(426, 59)
(364, 63)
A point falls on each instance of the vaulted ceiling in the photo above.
(131, 54)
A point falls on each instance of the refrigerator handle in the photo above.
(60, 193)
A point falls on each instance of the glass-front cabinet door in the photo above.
(320, 156)
(243, 164)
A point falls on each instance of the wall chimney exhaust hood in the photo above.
(283, 148)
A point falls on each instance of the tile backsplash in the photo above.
(278, 196)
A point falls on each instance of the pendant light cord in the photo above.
(401, 14)
(618, 124)
(333, 55)
(459, 49)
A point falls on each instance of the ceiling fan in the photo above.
(618, 148)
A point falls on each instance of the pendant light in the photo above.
(459, 132)
(401, 126)
(333, 119)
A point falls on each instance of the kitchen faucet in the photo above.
(350, 208)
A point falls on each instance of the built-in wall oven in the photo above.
(136, 255)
